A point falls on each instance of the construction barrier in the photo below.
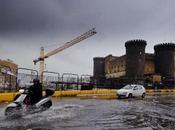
(5, 97)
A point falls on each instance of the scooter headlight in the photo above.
(21, 90)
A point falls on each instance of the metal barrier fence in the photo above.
(51, 81)
(12, 80)
(24, 78)
(70, 81)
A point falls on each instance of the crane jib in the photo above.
(68, 44)
(59, 49)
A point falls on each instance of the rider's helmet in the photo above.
(36, 81)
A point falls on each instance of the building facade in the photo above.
(137, 66)
(8, 71)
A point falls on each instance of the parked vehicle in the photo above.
(131, 90)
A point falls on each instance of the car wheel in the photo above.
(130, 95)
(143, 95)
(119, 97)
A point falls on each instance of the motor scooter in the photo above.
(22, 103)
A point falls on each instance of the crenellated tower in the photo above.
(135, 59)
(165, 60)
(99, 70)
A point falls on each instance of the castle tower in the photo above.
(99, 70)
(135, 59)
(165, 60)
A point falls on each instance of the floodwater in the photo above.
(151, 113)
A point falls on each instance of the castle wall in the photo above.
(136, 65)
(149, 67)
(117, 67)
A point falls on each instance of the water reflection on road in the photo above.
(153, 112)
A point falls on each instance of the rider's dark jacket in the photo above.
(35, 92)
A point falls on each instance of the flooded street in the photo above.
(153, 112)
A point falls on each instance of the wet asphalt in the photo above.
(152, 113)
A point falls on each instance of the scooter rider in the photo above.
(35, 91)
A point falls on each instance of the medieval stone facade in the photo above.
(137, 65)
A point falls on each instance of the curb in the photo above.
(6, 97)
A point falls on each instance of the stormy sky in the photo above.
(26, 25)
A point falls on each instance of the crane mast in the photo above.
(43, 56)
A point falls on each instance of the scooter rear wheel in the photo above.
(47, 105)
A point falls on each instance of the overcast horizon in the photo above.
(25, 26)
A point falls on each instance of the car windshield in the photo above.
(128, 87)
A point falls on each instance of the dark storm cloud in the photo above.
(35, 16)
(110, 17)
(43, 22)
(26, 16)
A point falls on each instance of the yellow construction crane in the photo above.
(43, 56)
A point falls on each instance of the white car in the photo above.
(132, 90)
